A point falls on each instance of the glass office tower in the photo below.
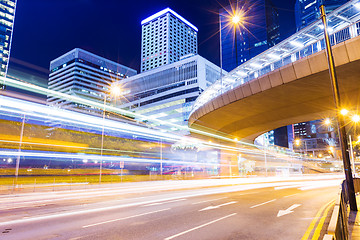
(7, 17)
(258, 31)
(307, 11)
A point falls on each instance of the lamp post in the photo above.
(236, 19)
(340, 117)
(352, 155)
(19, 151)
(221, 67)
(298, 143)
(115, 90)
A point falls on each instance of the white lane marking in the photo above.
(160, 203)
(290, 186)
(258, 205)
(214, 207)
(210, 200)
(291, 195)
(195, 228)
(124, 218)
(287, 211)
(203, 193)
(322, 184)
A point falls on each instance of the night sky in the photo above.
(46, 29)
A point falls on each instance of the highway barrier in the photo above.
(338, 225)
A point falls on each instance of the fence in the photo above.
(338, 226)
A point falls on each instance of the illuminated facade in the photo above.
(307, 11)
(260, 31)
(7, 17)
(165, 37)
(83, 74)
(168, 92)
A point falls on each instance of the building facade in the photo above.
(257, 31)
(165, 37)
(168, 92)
(307, 11)
(7, 18)
(86, 75)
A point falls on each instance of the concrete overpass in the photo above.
(297, 92)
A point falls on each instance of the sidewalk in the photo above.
(354, 222)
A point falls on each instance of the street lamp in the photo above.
(344, 111)
(355, 118)
(298, 143)
(340, 118)
(115, 90)
(327, 122)
(234, 19)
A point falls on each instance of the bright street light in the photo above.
(355, 118)
(297, 142)
(115, 90)
(344, 111)
(236, 19)
(327, 121)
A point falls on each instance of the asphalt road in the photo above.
(234, 209)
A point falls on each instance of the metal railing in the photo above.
(338, 226)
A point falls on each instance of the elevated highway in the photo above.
(297, 92)
(247, 102)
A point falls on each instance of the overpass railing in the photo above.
(343, 23)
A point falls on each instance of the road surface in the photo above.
(271, 208)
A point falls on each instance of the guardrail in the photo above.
(338, 225)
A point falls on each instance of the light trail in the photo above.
(39, 111)
(75, 99)
(21, 107)
(258, 183)
(104, 158)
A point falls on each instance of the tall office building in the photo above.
(86, 75)
(168, 92)
(258, 31)
(7, 17)
(307, 11)
(166, 36)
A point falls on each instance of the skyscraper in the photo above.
(307, 11)
(7, 17)
(83, 74)
(257, 31)
(165, 37)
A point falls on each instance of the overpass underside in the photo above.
(298, 92)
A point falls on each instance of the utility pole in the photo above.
(340, 118)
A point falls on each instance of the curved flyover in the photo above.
(298, 92)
